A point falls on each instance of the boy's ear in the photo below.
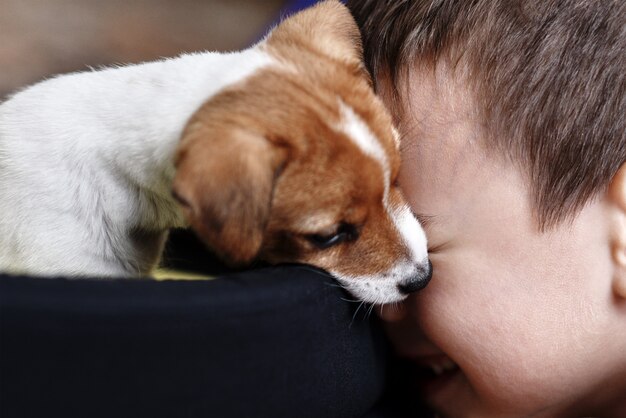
(328, 26)
(224, 183)
(617, 197)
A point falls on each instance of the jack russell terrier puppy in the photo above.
(280, 152)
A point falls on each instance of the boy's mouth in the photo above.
(438, 366)
(434, 373)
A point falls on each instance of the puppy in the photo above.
(280, 152)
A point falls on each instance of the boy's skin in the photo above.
(536, 321)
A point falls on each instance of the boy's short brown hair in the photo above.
(549, 76)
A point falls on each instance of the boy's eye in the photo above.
(344, 232)
(433, 249)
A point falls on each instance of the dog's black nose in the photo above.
(418, 281)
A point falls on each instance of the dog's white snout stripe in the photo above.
(358, 131)
(412, 234)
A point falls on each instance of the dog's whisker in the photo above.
(322, 272)
(334, 285)
(355, 313)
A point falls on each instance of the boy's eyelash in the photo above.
(424, 220)
(434, 249)
(437, 248)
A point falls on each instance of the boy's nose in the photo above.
(418, 281)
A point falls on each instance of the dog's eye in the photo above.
(344, 232)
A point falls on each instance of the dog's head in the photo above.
(298, 163)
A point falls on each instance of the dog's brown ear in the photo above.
(224, 182)
(329, 26)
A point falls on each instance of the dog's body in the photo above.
(88, 162)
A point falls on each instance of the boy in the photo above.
(513, 122)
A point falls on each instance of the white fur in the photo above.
(412, 233)
(86, 162)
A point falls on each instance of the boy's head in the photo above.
(513, 124)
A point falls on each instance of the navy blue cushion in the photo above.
(274, 342)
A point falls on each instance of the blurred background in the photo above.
(39, 38)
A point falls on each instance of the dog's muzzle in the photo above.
(417, 281)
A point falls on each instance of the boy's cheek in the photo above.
(507, 334)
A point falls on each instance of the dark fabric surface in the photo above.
(276, 342)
